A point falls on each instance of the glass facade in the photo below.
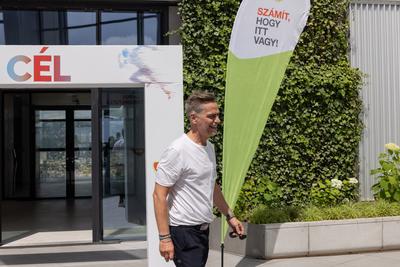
(27, 27)
(2, 39)
(51, 172)
(119, 28)
(124, 200)
(47, 140)
(151, 28)
(82, 153)
(81, 28)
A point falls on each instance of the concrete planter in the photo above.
(269, 241)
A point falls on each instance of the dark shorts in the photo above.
(191, 245)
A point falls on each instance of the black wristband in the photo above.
(162, 237)
(229, 215)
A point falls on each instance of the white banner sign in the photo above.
(264, 28)
(72, 66)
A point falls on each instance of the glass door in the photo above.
(63, 153)
(124, 190)
(82, 162)
(50, 154)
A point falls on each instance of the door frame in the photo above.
(95, 107)
(1, 163)
(69, 146)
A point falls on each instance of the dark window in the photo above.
(2, 42)
(51, 30)
(80, 27)
(21, 27)
(151, 28)
(119, 28)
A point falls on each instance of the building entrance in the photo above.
(47, 165)
(48, 182)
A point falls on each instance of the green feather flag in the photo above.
(263, 38)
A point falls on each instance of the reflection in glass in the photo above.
(50, 153)
(50, 129)
(82, 153)
(83, 134)
(51, 38)
(49, 27)
(150, 28)
(2, 38)
(51, 177)
(81, 28)
(50, 115)
(50, 20)
(83, 114)
(83, 173)
(119, 28)
(124, 202)
(51, 30)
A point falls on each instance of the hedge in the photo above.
(314, 128)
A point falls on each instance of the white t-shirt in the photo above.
(189, 169)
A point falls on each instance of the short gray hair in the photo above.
(196, 99)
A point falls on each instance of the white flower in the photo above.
(336, 183)
(392, 146)
(353, 181)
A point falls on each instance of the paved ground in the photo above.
(134, 254)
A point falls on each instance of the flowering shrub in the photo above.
(388, 185)
(334, 192)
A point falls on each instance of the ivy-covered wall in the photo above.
(314, 129)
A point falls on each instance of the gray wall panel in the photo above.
(375, 42)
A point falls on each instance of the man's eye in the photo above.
(212, 117)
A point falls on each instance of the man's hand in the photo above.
(236, 226)
(223, 207)
(167, 249)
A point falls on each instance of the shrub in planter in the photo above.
(381, 208)
(258, 192)
(334, 192)
(264, 214)
(388, 185)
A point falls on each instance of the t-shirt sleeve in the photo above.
(169, 168)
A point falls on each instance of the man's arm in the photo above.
(161, 211)
(220, 203)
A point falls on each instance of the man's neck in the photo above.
(197, 138)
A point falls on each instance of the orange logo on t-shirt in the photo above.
(155, 165)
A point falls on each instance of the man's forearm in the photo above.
(161, 212)
(219, 200)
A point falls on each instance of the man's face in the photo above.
(206, 122)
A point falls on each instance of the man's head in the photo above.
(203, 114)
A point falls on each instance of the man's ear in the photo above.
(193, 117)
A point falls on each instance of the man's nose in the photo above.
(217, 120)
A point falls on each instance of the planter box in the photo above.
(269, 241)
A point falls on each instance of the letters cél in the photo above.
(41, 71)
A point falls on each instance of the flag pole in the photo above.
(222, 254)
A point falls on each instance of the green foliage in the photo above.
(388, 185)
(314, 129)
(351, 211)
(264, 214)
(263, 192)
(334, 192)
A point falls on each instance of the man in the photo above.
(185, 188)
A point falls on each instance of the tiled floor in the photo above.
(134, 254)
(60, 221)
(50, 222)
